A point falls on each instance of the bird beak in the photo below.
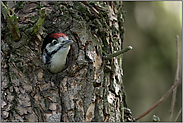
(68, 42)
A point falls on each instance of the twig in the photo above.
(110, 56)
(176, 79)
(12, 21)
(39, 23)
(160, 101)
(178, 115)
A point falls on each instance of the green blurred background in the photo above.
(149, 68)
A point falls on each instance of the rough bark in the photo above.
(89, 89)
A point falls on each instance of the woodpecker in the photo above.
(55, 49)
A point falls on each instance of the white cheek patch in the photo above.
(51, 48)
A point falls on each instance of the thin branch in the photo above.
(39, 23)
(176, 79)
(12, 20)
(160, 101)
(110, 56)
(178, 115)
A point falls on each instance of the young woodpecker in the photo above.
(55, 49)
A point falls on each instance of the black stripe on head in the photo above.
(46, 41)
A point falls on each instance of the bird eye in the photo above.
(54, 42)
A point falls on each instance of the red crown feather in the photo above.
(57, 35)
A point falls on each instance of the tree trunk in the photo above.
(89, 89)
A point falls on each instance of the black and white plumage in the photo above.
(55, 49)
